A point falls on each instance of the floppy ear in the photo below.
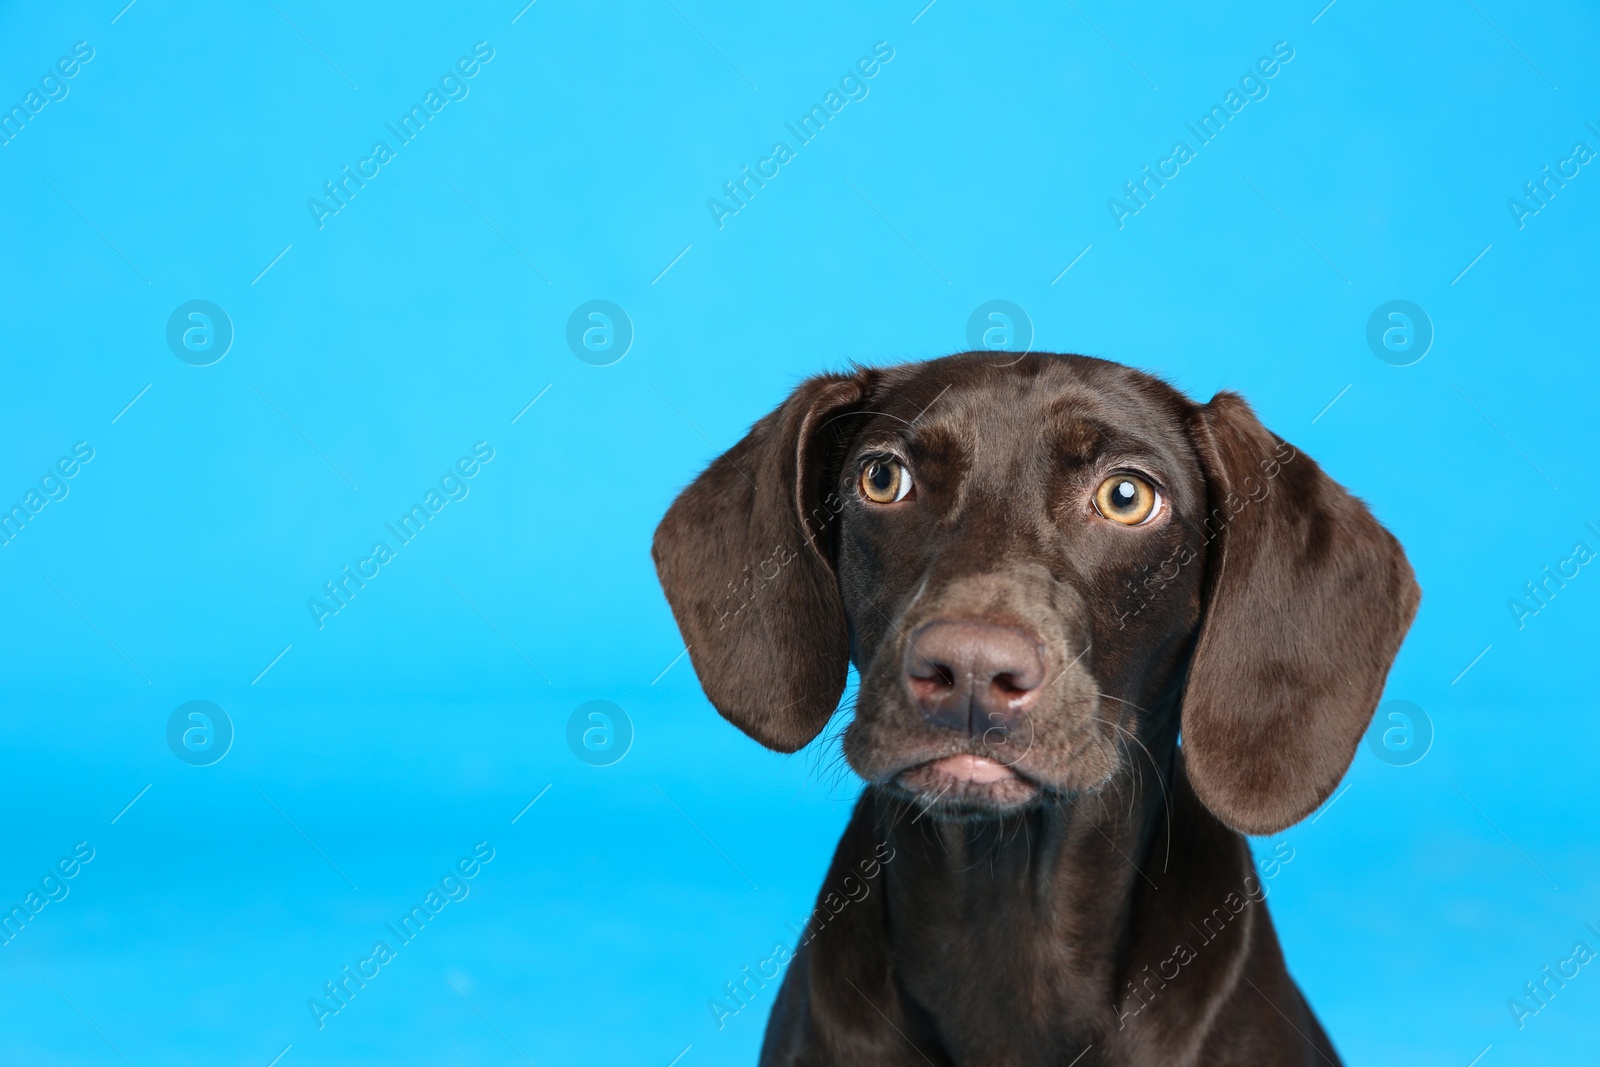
(741, 557)
(1307, 600)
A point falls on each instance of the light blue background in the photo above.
(419, 320)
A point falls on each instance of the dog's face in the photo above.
(998, 529)
(1033, 563)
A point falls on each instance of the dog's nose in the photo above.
(965, 674)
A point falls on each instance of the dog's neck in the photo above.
(1033, 911)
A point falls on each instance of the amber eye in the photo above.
(1126, 498)
(884, 481)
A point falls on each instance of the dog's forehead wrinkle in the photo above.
(1018, 425)
(1090, 433)
(999, 454)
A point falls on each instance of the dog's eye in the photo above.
(1126, 498)
(884, 481)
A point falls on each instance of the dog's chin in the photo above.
(967, 785)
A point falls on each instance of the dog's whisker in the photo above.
(1086, 647)
(1166, 797)
(1118, 849)
(929, 805)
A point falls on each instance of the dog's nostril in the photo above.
(1011, 685)
(925, 670)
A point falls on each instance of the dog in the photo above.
(1044, 569)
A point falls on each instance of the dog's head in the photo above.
(1031, 561)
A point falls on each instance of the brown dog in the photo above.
(1043, 569)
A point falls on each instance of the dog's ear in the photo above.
(742, 557)
(1307, 600)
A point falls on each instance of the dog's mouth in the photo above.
(967, 782)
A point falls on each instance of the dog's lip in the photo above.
(964, 779)
(976, 770)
